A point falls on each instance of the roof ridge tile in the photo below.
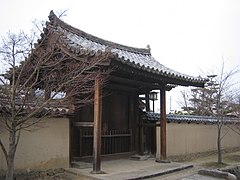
(54, 20)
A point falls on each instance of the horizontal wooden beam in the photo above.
(83, 124)
(140, 85)
(134, 82)
(121, 87)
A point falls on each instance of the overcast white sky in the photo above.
(189, 36)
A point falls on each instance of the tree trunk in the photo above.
(219, 145)
(11, 156)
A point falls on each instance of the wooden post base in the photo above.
(97, 172)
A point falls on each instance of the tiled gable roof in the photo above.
(80, 42)
(189, 118)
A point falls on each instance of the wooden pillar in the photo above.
(142, 141)
(136, 124)
(147, 102)
(163, 124)
(132, 121)
(97, 129)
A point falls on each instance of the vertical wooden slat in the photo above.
(163, 124)
(110, 142)
(114, 141)
(131, 140)
(141, 129)
(97, 129)
(153, 149)
(80, 142)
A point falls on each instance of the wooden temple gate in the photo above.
(131, 137)
(101, 127)
(115, 128)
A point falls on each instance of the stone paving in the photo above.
(131, 169)
(121, 169)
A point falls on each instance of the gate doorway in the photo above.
(119, 134)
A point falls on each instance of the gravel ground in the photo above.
(50, 174)
(231, 159)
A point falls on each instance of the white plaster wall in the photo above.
(193, 138)
(44, 146)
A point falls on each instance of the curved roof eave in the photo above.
(80, 42)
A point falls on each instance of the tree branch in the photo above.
(4, 150)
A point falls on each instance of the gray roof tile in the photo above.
(189, 118)
(138, 58)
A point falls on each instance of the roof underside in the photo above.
(78, 41)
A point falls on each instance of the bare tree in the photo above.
(37, 76)
(215, 99)
(222, 101)
(185, 101)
